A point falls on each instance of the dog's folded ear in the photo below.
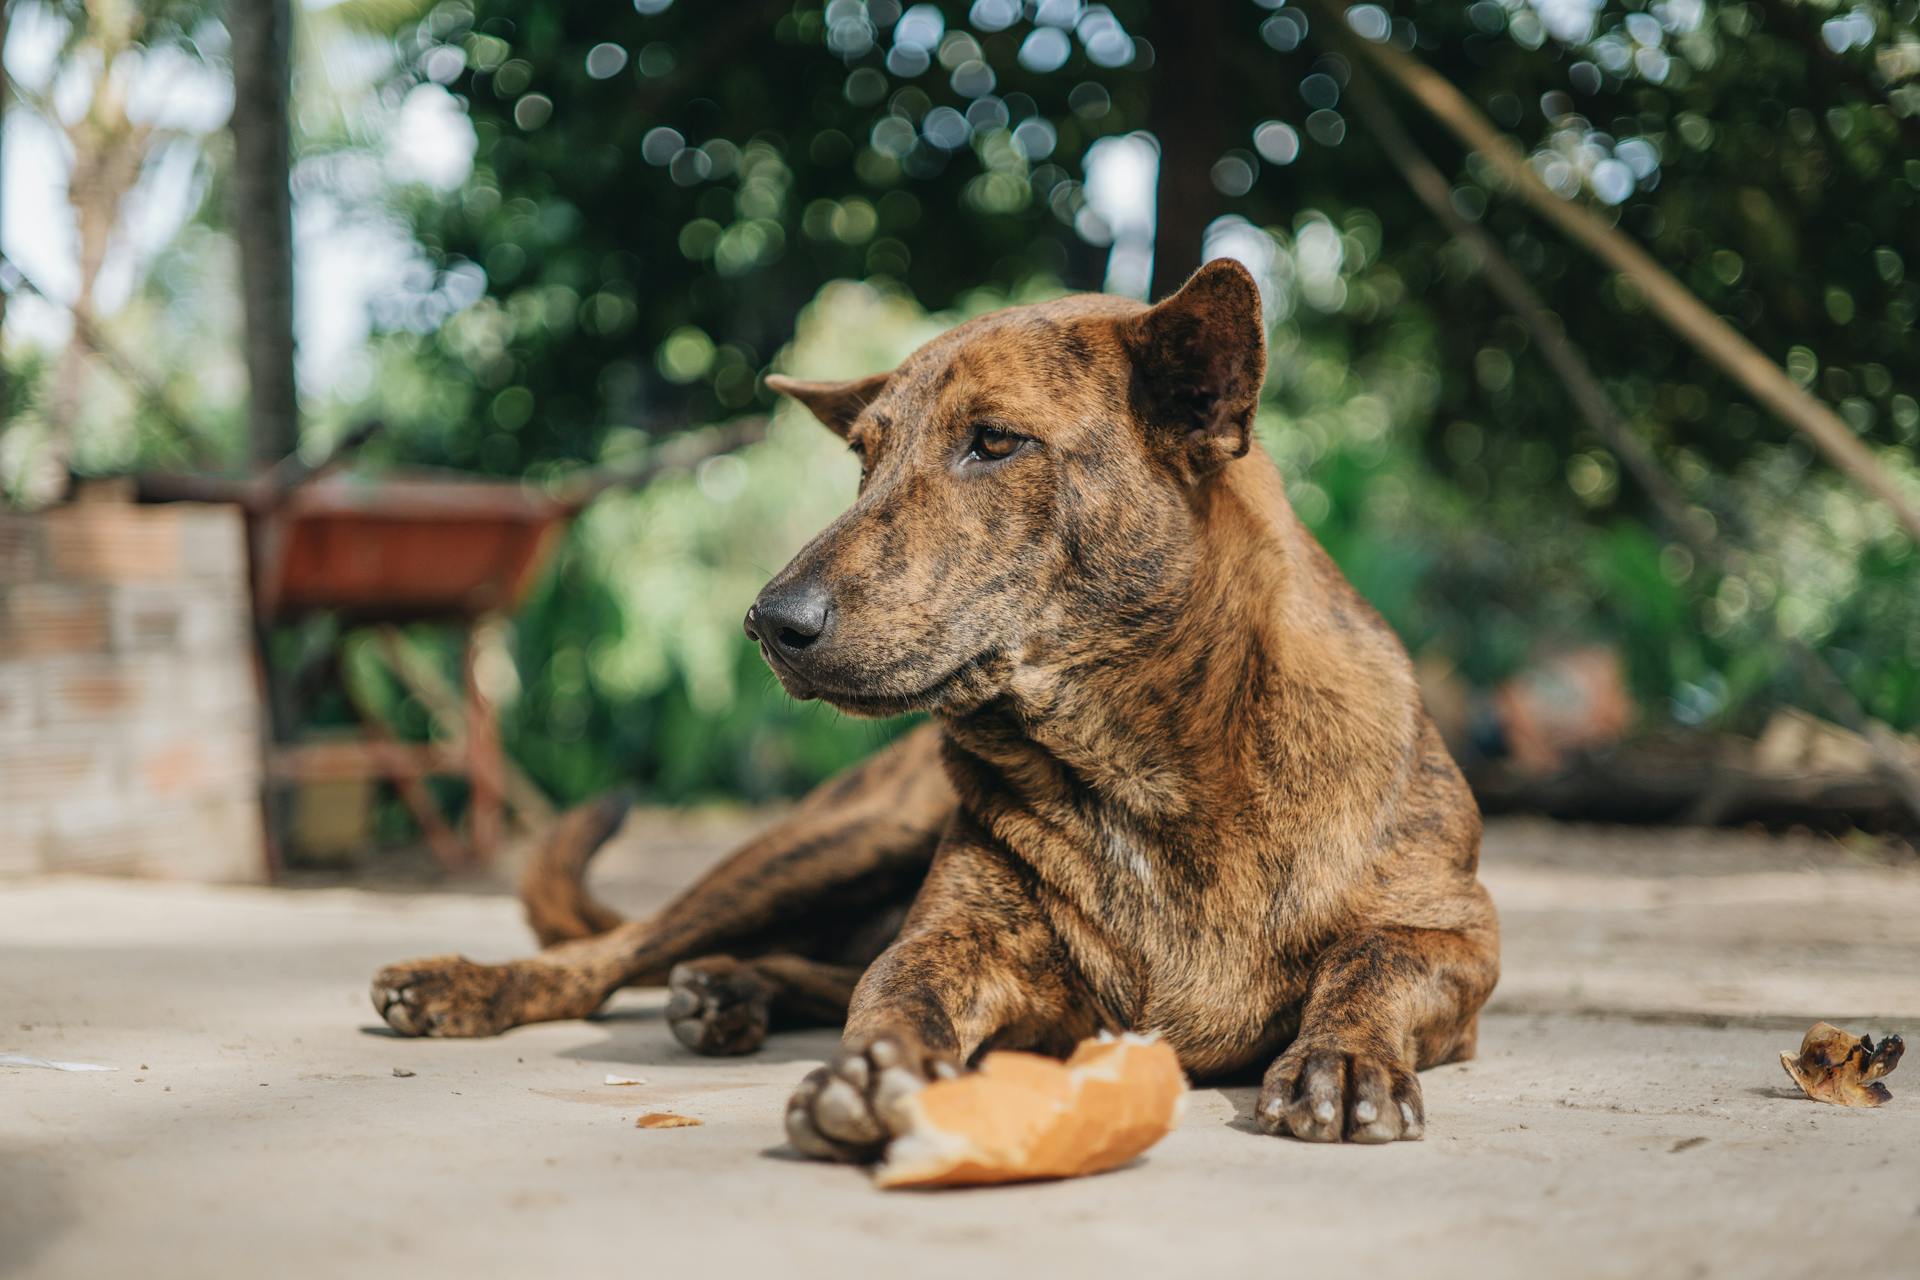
(1199, 358)
(836, 404)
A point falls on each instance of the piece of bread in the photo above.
(1022, 1117)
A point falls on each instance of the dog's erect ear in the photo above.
(1199, 358)
(836, 404)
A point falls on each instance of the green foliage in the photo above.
(656, 191)
(655, 194)
(632, 662)
(660, 189)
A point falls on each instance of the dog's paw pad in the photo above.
(441, 996)
(1326, 1095)
(850, 1109)
(717, 1009)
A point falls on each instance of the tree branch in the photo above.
(1597, 407)
(13, 279)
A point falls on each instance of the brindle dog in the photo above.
(1178, 779)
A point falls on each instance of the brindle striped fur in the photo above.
(1178, 779)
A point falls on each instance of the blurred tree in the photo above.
(6, 94)
(89, 93)
(109, 149)
(656, 193)
(1194, 121)
(262, 35)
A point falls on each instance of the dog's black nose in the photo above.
(790, 619)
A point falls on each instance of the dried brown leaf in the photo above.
(1839, 1067)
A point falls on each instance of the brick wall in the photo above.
(128, 711)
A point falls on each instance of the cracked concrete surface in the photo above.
(1627, 1115)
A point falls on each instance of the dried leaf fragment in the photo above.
(664, 1120)
(1844, 1069)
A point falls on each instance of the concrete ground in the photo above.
(1627, 1115)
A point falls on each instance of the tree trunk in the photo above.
(262, 33)
(1186, 116)
(5, 388)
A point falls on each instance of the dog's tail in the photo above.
(554, 890)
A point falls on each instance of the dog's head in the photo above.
(1030, 483)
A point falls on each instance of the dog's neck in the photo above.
(1237, 658)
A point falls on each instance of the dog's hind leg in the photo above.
(723, 1005)
(857, 844)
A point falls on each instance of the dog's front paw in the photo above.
(1327, 1094)
(849, 1109)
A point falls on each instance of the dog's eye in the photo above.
(861, 454)
(990, 444)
